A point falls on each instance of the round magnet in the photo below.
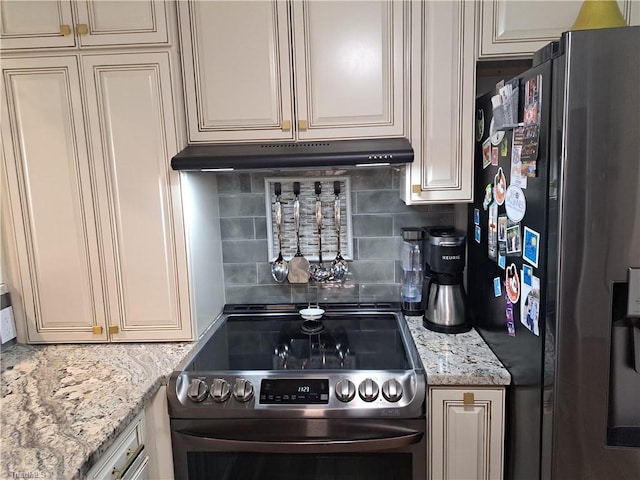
(512, 283)
(500, 186)
(479, 124)
(488, 196)
(515, 203)
(497, 137)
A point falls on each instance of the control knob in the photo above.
(243, 390)
(220, 390)
(392, 390)
(368, 390)
(198, 390)
(345, 390)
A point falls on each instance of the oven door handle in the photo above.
(396, 442)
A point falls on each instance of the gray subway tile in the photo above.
(384, 248)
(240, 274)
(236, 229)
(372, 225)
(371, 179)
(378, 271)
(264, 274)
(328, 293)
(242, 205)
(380, 201)
(234, 183)
(421, 217)
(259, 294)
(244, 251)
(260, 227)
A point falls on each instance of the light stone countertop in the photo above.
(460, 359)
(63, 405)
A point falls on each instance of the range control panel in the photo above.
(294, 391)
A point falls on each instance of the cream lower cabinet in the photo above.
(466, 433)
(442, 103)
(82, 23)
(508, 29)
(94, 208)
(347, 69)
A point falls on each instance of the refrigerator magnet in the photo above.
(479, 124)
(529, 152)
(514, 244)
(486, 153)
(515, 203)
(512, 283)
(517, 178)
(492, 240)
(497, 137)
(499, 185)
(488, 196)
(503, 148)
(531, 248)
(527, 275)
(497, 289)
(502, 228)
(502, 260)
(494, 156)
(476, 216)
(477, 234)
(530, 305)
(508, 313)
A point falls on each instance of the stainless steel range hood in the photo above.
(333, 153)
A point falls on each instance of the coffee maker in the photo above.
(446, 304)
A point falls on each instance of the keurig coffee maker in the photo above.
(446, 304)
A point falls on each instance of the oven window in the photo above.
(255, 466)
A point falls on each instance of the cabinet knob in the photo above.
(303, 125)
(113, 329)
(286, 125)
(468, 398)
(97, 329)
(65, 30)
(82, 29)
(416, 189)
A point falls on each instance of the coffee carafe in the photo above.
(446, 304)
(412, 272)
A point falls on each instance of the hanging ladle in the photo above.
(319, 272)
(339, 267)
(279, 269)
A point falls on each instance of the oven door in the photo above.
(300, 449)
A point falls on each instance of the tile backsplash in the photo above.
(377, 213)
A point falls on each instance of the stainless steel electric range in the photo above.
(268, 394)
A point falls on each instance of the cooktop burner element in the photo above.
(358, 360)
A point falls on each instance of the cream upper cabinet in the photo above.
(239, 70)
(466, 434)
(349, 69)
(51, 186)
(82, 23)
(509, 29)
(96, 210)
(442, 102)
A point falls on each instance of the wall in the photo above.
(377, 214)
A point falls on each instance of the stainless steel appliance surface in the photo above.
(268, 394)
(573, 408)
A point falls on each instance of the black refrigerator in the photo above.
(553, 275)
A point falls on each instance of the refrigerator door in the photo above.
(599, 240)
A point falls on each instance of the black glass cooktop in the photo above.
(286, 342)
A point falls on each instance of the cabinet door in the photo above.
(518, 29)
(37, 24)
(122, 23)
(237, 70)
(442, 93)
(466, 434)
(132, 127)
(349, 68)
(51, 194)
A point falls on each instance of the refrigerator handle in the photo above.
(635, 344)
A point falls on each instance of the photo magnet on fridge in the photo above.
(488, 196)
(497, 289)
(508, 313)
(530, 305)
(514, 245)
(477, 234)
(502, 261)
(527, 274)
(486, 153)
(529, 152)
(492, 240)
(494, 156)
(502, 228)
(531, 250)
(476, 216)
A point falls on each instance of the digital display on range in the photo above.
(292, 391)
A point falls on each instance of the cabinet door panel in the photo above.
(123, 23)
(237, 70)
(443, 90)
(131, 116)
(35, 24)
(466, 438)
(518, 29)
(51, 199)
(349, 68)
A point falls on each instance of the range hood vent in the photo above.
(335, 153)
